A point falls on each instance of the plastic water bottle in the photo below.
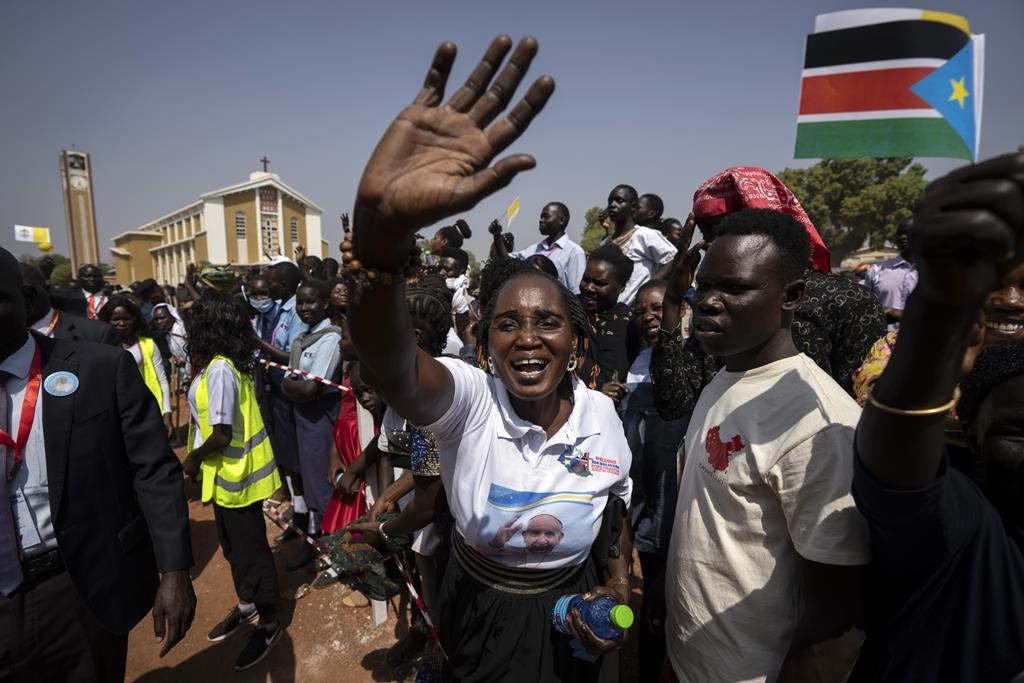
(605, 617)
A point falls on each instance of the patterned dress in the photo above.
(607, 359)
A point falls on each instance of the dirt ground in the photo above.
(324, 639)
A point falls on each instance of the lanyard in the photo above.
(28, 413)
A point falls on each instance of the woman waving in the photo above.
(528, 472)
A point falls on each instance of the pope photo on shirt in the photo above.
(534, 529)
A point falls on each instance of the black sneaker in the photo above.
(259, 645)
(230, 624)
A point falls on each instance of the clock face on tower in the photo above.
(79, 182)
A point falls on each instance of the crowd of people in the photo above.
(821, 475)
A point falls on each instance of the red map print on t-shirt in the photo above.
(719, 451)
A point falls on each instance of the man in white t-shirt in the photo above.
(649, 250)
(767, 549)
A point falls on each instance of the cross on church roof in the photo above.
(264, 161)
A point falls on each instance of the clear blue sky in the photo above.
(175, 99)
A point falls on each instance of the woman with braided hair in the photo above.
(521, 443)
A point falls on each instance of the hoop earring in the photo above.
(573, 362)
(490, 365)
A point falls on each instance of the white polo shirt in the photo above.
(518, 497)
(649, 250)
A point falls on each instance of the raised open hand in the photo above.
(687, 259)
(968, 232)
(434, 161)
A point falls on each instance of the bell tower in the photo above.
(79, 209)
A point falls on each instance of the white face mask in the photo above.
(263, 306)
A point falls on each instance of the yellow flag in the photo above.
(512, 210)
(28, 233)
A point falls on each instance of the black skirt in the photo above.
(490, 634)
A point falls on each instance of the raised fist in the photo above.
(968, 231)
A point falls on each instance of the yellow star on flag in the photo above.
(959, 91)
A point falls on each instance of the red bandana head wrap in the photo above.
(749, 187)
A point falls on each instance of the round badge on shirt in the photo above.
(61, 384)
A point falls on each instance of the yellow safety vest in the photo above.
(149, 370)
(245, 472)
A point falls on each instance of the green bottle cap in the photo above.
(621, 616)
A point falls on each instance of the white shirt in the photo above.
(569, 258)
(42, 326)
(649, 250)
(425, 541)
(453, 344)
(640, 370)
(501, 472)
(769, 462)
(94, 303)
(29, 491)
(222, 401)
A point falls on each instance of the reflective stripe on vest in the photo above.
(244, 472)
(147, 345)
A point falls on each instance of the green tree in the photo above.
(62, 266)
(593, 231)
(851, 201)
(61, 274)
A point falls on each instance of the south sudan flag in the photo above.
(891, 82)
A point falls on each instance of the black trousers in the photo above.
(243, 538)
(651, 634)
(47, 634)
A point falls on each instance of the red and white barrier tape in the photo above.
(419, 604)
(303, 373)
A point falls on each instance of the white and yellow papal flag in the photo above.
(28, 233)
(512, 210)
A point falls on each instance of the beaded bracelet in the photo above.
(368, 277)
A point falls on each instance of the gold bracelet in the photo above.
(919, 412)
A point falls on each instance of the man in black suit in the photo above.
(96, 532)
(45, 319)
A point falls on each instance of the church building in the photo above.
(245, 224)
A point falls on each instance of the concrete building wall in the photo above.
(244, 203)
(314, 236)
(293, 209)
(216, 235)
(202, 254)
